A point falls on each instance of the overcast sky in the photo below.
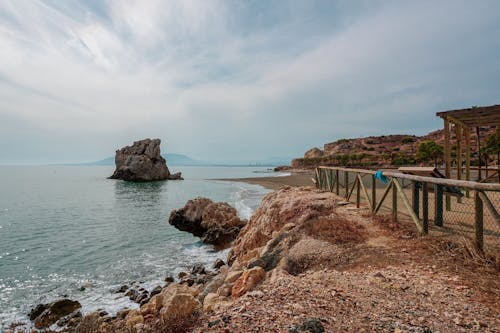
(235, 80)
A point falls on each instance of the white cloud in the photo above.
(209, 77)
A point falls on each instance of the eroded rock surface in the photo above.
(142, 162)
(216, 223)
(44, 315)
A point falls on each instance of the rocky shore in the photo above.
(307, 261)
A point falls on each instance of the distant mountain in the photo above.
(172, 159)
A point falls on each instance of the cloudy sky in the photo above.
(235, 80)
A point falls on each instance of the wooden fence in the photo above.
(476, 204)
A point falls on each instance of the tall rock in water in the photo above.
(142, 162)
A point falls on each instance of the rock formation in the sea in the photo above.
(216, 223)
(44, 315)
(142, 162)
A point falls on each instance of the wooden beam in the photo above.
(490, 206)
(458, 134)
(467, 153)
(384, 195)
(425, 208)
(478, 225)
(365, 192)
(447, 152)
(408, 206)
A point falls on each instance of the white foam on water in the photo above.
(247, 198)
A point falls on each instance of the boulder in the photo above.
(133, 318)
(211, 301)
(249, 279)
(142, 162)
(53, 312)
(216, 223)
(179, 301)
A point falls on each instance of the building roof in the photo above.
(474, 117)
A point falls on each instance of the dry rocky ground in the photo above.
(309, 262)
(374, 277)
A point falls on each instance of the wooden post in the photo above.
(416, 197)
(447, 156)
(438, 205)
(467, 157)
(458, 134)
(479, 176)
(374, 192)
(337, 185)
(394, 202)
(331, 181)
(346, 183)
(425, 208)
(358, 192)
(478, 226)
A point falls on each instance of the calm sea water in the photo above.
(64, 227)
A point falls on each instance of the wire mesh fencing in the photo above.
(444, 207)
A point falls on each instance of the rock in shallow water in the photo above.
(142, 162)
(53, 312)
(216, 223)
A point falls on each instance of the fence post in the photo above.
(346, 183)
(374, 193)
(337, 181)
(438, 205)
(478, 226)
(358, 192)
(416, 197)
(425, 208)
(394, 201)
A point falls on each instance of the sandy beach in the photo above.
(275, 183)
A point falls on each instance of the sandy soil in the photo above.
(275, 183)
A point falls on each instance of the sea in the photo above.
(68, 231)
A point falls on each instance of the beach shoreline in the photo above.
(302, 178)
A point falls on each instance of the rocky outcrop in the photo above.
(313, 153)
(175, 302)
(292, 229)
(44, 315)
(142, 162)
(216, 223)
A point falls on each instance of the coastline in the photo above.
(303, 178)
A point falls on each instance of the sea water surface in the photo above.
(67, 231)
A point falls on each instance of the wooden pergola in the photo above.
(464, 120)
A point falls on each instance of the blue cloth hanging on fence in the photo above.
(379, 175)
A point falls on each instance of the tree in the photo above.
(429, 150)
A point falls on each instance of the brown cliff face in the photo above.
(378, 151)
(141, 162)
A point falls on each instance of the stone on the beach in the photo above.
(216, 223)
(179, 302)
(156, 290)
(55, 311)
(218, 263)
(153, 306)
(141, 162)
(198, 269)
(249, 279)
(37, 310)
(133, 318)
(211, 301)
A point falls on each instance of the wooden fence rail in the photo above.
(353, 182)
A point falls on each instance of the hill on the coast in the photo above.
(377, 151)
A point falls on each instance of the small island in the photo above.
(142, 162)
